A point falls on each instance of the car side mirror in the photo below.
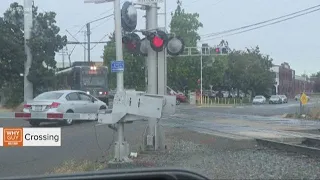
(93, 100)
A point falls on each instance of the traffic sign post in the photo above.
(303, 101)
(121, 145)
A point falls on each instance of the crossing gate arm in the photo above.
(38, 115)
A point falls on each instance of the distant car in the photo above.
(180, 98)
(259, 100)
(63, 101)
(275, 99)
(284, 98)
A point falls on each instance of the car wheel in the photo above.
(68, 122)
(102, 110)
(178, 102)
(34, 123)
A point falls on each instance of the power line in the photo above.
(100, 18)
(99, 41)
(262, 22)
(276, 22)
(74, 38)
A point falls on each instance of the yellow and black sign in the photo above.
(304, 99)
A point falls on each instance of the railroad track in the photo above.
(308, 146)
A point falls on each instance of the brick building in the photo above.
(288, 83)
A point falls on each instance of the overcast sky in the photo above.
(295, 41)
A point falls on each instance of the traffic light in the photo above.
(132, 43)
(128, 17)
(158, 40)
(224, 50)
(217, 50)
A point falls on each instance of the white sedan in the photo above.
(259, 100)
(63, 101)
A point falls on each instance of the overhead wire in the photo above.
(262, 22)
(99, 41)
(276, 22)
(97, 19)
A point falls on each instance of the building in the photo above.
(288, 83)
(284, 78)
(303, 84)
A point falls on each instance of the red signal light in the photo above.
(157, 41)
(217, 50)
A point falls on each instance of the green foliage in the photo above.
(11, 52)
(44, 43)
(184, 71)
(134, 74)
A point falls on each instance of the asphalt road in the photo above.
(79, 140)
(78, 143)
(259, 110)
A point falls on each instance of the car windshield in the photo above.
(49, 96)
(197, 85)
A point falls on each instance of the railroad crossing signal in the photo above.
(304, 99)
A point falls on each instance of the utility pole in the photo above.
(120, 147)
(84, 47)
(28, 86)
(88, 37)
(152, 25)
(64, 51)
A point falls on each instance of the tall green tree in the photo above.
(134, 74)
(250, 71)
(184, 71)
(45, 41)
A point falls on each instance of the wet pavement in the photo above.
(250, 122)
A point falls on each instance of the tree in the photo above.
(184, 71)
(11, 52)
(251, 71)
(44, 43)
(134, 74)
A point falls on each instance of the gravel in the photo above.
(206, 156)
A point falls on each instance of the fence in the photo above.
(206, 100)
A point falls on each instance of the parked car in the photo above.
(275, 99)
(180, 97)
(63, 101)
(284, 98)
(259, 100)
